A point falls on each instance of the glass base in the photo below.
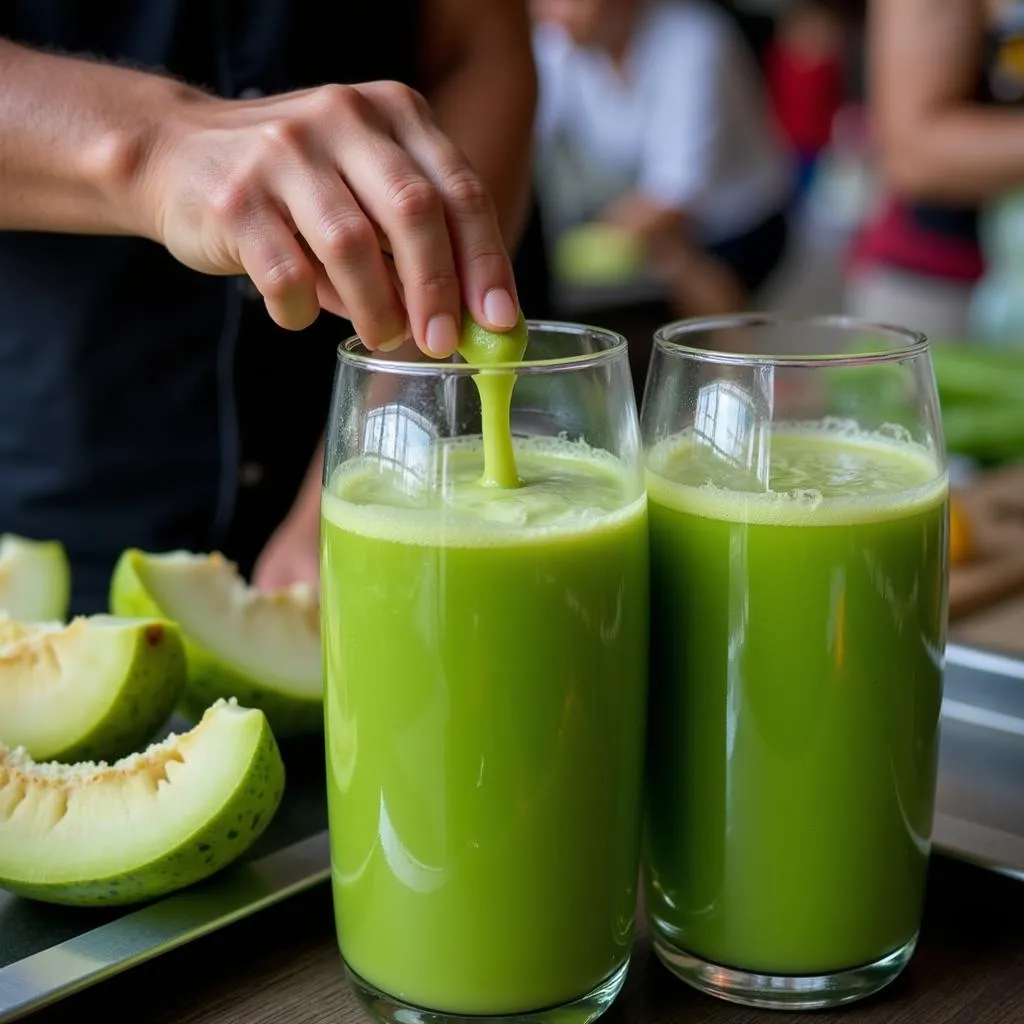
(388, 1010)
(784, 992)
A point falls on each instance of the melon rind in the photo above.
(98, 835)
(95, 690)
(210, 675)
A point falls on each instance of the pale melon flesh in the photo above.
(98, 835)
(35, 579)
(261, 647)
(96, 689)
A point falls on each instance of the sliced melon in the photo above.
(261, 647)
(99, 835)
(35, 579)
(96, 689)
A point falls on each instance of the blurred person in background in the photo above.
(181, 189)
(946, 83)
(653, 124)
(805, 66)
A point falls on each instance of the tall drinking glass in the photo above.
(798, 513)
(485, 651)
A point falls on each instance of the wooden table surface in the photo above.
(282, 967)
(999, 627)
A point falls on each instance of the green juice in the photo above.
(486, 659)
(485, 350)
(797, 637)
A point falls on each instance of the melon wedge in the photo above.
(99, 835)
(261, 647)
(35, 579)
(96, 689)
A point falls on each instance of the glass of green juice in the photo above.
(485, 652)
(797, 496)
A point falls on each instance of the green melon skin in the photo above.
(104, 705)
(259, 779)
(209, 678)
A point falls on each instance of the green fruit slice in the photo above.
(262, 648)
(96, 689)
(35, 579)
(481, 347)
(99, 835)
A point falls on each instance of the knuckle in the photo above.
(437, 284)
(283, 275)
(232, 199)
(346, 239)
(414, 199)
(487, 260)
(281, 135)
(380, 323)
(414, 101)
(333, 100)
(401, 95)
(466, 191)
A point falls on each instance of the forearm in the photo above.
(305, 509)
(925, 59)
(73, 138)
(486, 107)
(481, 82)
(967, 155)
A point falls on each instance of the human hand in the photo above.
(344, 198)
(291, 555)
(645, 218)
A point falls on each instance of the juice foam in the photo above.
(818, 474)
(566, 488)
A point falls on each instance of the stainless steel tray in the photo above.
(979, 811)
(47, 953)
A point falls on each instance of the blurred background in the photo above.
(698, 157)
(724, 154)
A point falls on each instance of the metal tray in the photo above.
(979, 810)
(47, 952)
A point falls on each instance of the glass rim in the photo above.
(352, 352)
(916, 343)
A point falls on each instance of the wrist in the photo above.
(123, 164)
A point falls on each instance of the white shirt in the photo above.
(685, 122)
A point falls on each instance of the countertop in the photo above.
(282, 967)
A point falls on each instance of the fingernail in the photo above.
(394, 344)
(500, 310)
(442, 336)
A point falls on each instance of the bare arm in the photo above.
(483, 89)
(937, 143)
(73, 134)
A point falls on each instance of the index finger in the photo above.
(401, 199)
(482, 260)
